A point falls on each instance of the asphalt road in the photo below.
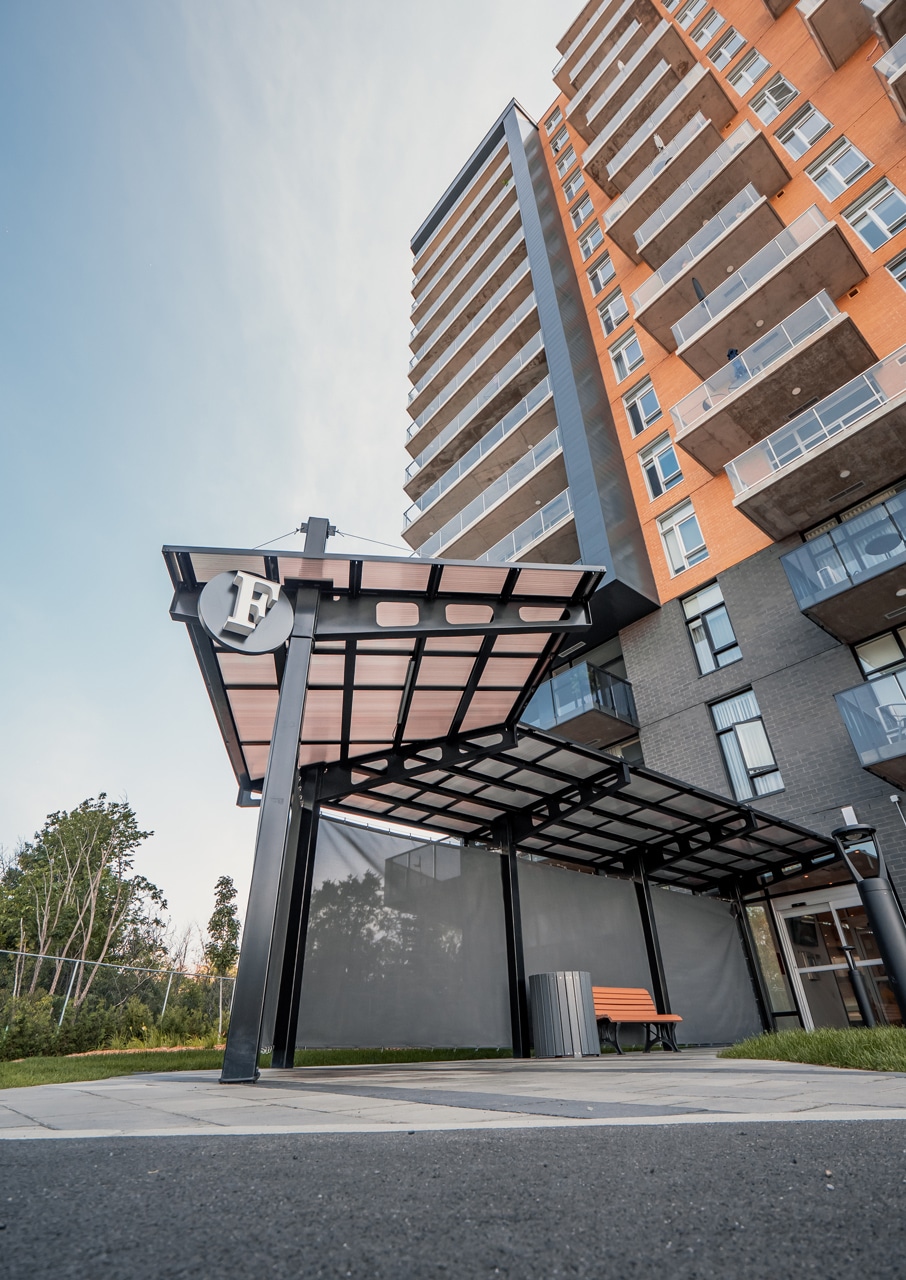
(724, 1200)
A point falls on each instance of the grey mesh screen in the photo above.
(406, 944)
(707, 976)
(575, 921)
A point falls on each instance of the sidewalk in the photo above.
(693, 1088)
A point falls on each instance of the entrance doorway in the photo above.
(815, 927)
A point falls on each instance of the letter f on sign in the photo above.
(253, 599)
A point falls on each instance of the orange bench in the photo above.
(617, 1005)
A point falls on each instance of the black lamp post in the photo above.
(861, 853)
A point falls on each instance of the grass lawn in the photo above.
(864, 1048)
(28, 1071)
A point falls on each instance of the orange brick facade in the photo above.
(853, 100)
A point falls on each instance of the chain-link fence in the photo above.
(48, 1000)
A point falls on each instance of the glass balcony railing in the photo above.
(522, 357)
(658, 164)
(853, 552)
(507, 423)
(554, 513)
(893, 61)
(858, 399)
(474, 237)
(601, 40)
(765, 351)
(751, 274)
(578, 690)
(687, 85)
(497, 177)
(696, 182)
(478, 451)
(645, 89)
(476, 322)
(695, 246)
(613, 58)
(512, 322)
(501, 256)
(577, 40)
(875, 717)
(639, 59)
(510, 480)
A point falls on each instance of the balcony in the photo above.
(809, 255)
(679, 158)
(448, 292)
(479, 466)
(838, 27)
(887, 19)
(891, 71)
(581, 70)
(582, 32)
(847, 579)
(496, 186)
(875, 717)
(653, 90)
(445, 324)
(811, 353)
(850, 444)
(745, 158)
(611, 67)
(663, 44)
(776, 7)
(699, 91)
(547, 537)
(584, 704)
(507, 501)
(742, 227)
(459, 386)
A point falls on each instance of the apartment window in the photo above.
(879, 215)
(642, 406)
(559, 141)
(601, 273)
(582, 211)
(775, 97)
(689, 13)
(565, 161)
(745, 747)
(626, 355)
(613, 311)
(707, 29)
(553, 120)
(747, 72)
(681, 535)
(593, 237)
(659, 463)
(573, 186)
(710, 629)
(882, 655)
(802, 131)
(727, 48)
(838, 168)
(897, 269)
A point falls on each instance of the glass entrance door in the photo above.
(817, 926)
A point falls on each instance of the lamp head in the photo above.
(859, 850)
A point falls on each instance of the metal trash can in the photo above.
(563, 1015)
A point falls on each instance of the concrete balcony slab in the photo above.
(838, 27)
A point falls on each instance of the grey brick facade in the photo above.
(795, 669)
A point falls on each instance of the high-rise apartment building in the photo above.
(663, 330)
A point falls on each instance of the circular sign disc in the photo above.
(245, 612)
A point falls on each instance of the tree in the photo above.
(72, 893)
(222, 948)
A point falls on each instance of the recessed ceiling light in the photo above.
(844, 475)
(758, 324)
(902, 591)
(797, 391)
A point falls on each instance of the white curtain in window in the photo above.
(754, 743)
(743, 707)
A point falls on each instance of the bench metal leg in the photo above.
(609, 1033)
(664, 1035)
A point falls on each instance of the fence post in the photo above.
(166, 995)
(75, 969)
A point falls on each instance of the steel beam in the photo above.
(240, 1062)
(762, 996)
(652, 941)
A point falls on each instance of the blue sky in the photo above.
(205, 210)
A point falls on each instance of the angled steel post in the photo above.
(290, 989)
(515, 958)
(759, 986)
(652, 942)
(240, 1061)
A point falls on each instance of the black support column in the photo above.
(515, 959)
(762, 997)
(293, 958)
(652, 942)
